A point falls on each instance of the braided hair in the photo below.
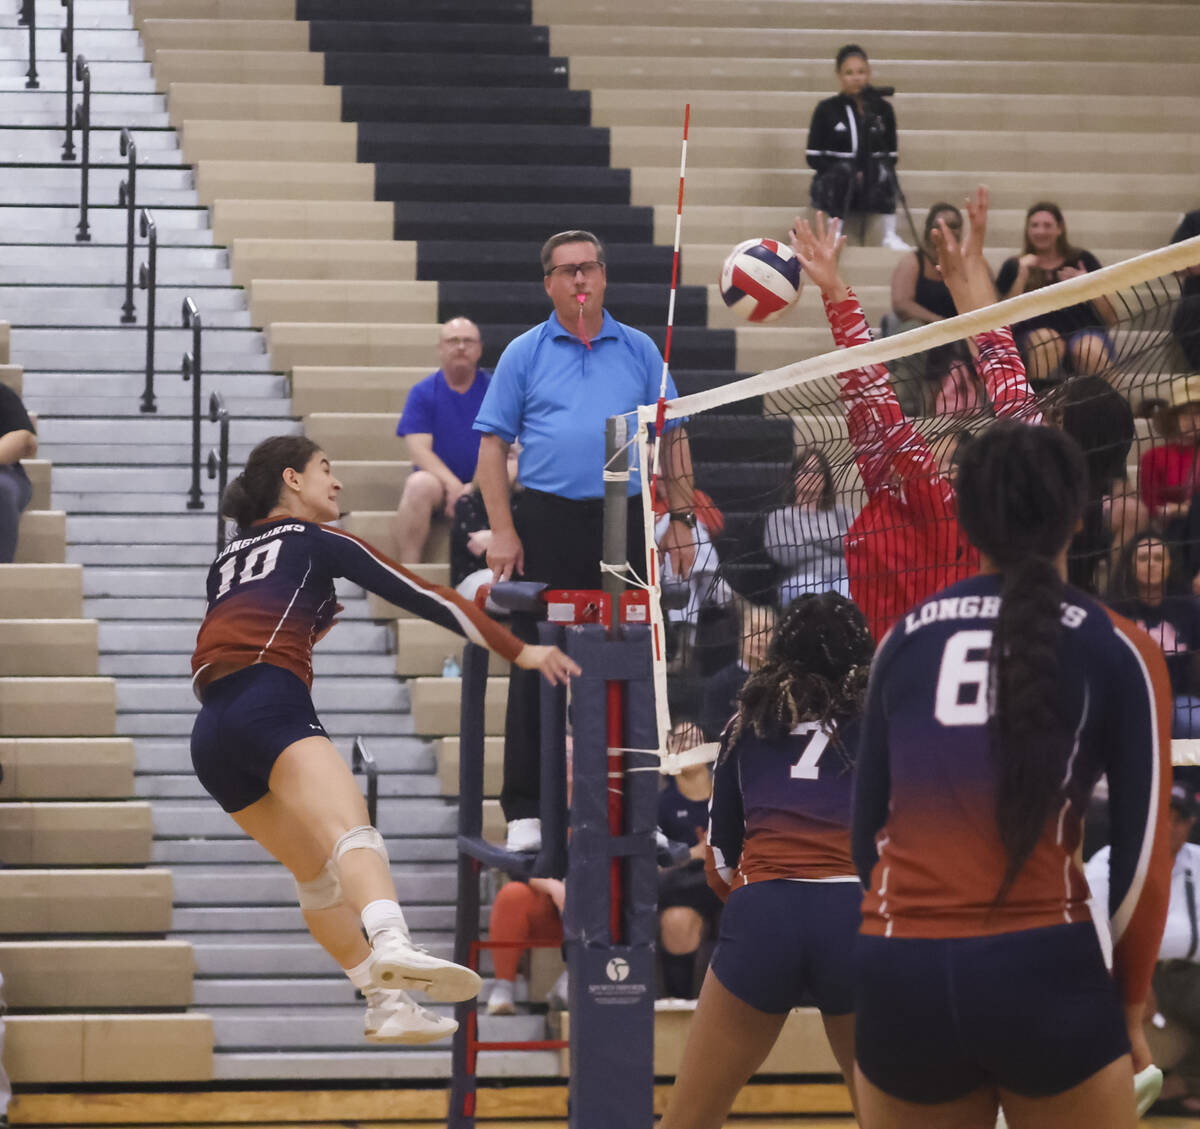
(815, 670)
(1021, 492)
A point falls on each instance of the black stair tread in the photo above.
(500, 183)
(425, 11)
(496, 104)
(634, 303)
(510, 222)
(474, 259)
(690, 345)
(428, 69)
(440, 143)
(441, 37)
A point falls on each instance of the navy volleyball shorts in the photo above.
(1035, 1012)
(248, 718)
(785, 943)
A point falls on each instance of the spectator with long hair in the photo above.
(994, 707)
(1072, 339)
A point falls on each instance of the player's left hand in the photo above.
(818, 247)
(678, 542)
(555, 667)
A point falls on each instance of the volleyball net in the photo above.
(836, 473)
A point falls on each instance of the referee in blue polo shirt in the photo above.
(553, 389)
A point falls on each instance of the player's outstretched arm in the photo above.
(818, 248)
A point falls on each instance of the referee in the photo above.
(553, 389)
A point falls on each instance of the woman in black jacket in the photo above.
(852, 148)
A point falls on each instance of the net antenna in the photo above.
(658, 634)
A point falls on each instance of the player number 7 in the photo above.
(808, 766)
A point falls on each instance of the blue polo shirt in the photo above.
(554, 394)
(434, 408)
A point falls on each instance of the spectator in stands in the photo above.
(1175, 989)
(719, 702)
(919, 297)
(1073, 339)
(17, 441)
(554, 388)
(805, 536)
(470, 534)
(524, 913)
(688, 910)
(852, 148)
(437, 425)
(1186, 322)
(1167, 472)
(1142, 589)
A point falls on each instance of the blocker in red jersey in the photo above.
(760, 279)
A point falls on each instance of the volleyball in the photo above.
(760, 279)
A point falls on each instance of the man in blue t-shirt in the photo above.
(554, 388)
(438, 420)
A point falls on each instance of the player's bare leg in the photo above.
(727, 1043)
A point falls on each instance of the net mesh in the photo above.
(837, 472)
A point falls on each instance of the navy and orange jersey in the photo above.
(781, 808)
(271, 596)
(906, 542)
(926, 843)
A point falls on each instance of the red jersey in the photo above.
(926, 842)
(906, 542)
(781, 809)
(271, 597)
(1167, 473)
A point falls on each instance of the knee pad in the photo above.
(361, 838)
(322, 892)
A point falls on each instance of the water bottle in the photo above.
(450, 667)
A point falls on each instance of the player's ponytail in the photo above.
(815, 670)
(254, 493)
(1021, 491)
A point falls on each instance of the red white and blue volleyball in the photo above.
(760, 279)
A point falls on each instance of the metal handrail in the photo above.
(66, 42)
(218, 460)
(148, 281)
(29, 16)
(192, 369)
(361, 761)
(127, 198)
(83, 122)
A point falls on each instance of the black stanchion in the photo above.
(218, 468)
(362, 761)
(192, 370)
(148, 281)
(66, 42)
(29, 18)
(127, 198)
(83, 122)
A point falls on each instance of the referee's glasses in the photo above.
(569, 270)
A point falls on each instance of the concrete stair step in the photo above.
(58, 647)
(333, 695)
(145, 554)
(299, 258)
(161, 454)
(234, 387)
(447, 753)
(436, 701)
(269, 407)
(106, 222)
(41, 591)
(123, 350)
(45, 833)
(93, 13)
(86, 901)
(179, 637)
(83, 975)
(242, 991)
(107, 78)
(300, 219)
(227, 852)
(324, 666)
(81, 303)
(350, 388)
(362, 435)
(57, 707)
(42, 537)
(66, 768)
(371, 1064)
(272, 885)
(200, 101)
(152, 431)
(292, 300)
(400, 755)
(179, 607)
(423, 647)
(287, 919)
(99, 43)
(403, 818)
(244, 177)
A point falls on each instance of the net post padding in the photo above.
(1082, 288)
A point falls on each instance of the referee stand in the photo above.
(610, 916)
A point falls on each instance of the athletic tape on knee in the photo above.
(361, 838)
(322, 892)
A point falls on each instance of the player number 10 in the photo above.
(257, 563)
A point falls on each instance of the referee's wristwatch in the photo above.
(688, 517)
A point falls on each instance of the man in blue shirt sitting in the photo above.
(437, 424)
(553, 389)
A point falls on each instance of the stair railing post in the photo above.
(127, 197)
(148, 281)
(83, 121)
(66, 42)
(219, 414)
(29, 17)
(192, 369)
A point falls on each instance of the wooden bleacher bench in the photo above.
(361, 435)
(446, 749)
(353, 388)
(86, 901)
(291, 67)
(245, 179)
(213, 10)
(222, 34)
(297, 300)
(41, 591)
(422, 647)
(352, 259)
(302, 219)
(58, 707)
(374, 527)
(93, 833)
(60, 648)
(215, 101)
(371, 484)
(310, 142)
(435, 705)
